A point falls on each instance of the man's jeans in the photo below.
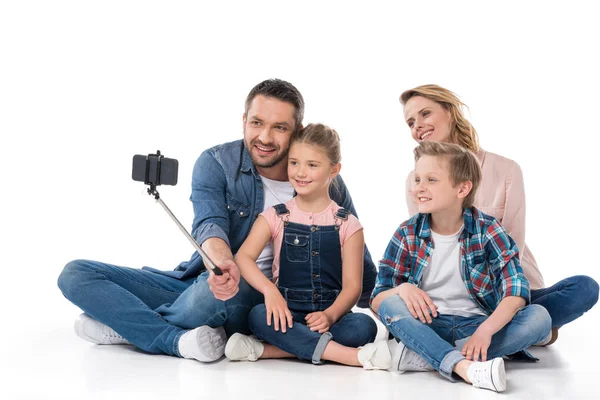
(352, 330)
(568, 299)
(435, 342)
(151, 310)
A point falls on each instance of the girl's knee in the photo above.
(257, 317)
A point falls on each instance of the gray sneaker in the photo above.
(93, 331)
(407, 360)
(204, 344)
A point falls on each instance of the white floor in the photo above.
(45, 360)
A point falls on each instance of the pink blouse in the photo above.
(501, 195)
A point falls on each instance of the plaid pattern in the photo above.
(490, 265)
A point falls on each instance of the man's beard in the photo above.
(266, 163)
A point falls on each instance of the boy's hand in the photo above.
(477, 345)
(277, 309)
(225, 286)
(418, 302)
(319, 321)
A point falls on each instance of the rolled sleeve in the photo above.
(503, 257)
(211, 217)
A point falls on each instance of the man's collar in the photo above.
(246, 165)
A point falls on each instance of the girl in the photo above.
(434, 113)
(317, 269)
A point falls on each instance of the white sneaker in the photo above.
(96, 332)
(204, 344)
(375, 355)
(488, 375)
(243, 348)
(407, 360)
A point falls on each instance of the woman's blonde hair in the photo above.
(461, 130)
(322, 136)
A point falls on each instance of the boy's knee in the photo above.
(540, 318)
(393, 309)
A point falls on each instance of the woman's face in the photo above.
(427, 119)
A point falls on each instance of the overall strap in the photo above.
(340, 217)
(283, 213)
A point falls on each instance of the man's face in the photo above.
(268, 127)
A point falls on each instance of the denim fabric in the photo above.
(352, 330)
(489, 261)
(568, 299)
(152, 310)
(310, 279)
(228, 195)
(436, 342)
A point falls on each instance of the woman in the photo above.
(435, 113)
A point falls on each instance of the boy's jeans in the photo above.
(352, 330)
(151, 310)
(435, 342)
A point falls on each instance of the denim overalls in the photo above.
(310, 279)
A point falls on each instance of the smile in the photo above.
(424, 199)
(425, 135)
(302, 183)
(264, 149)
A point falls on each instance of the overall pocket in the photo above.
(296, 246)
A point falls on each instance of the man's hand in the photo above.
(319, 321)
(225, 286)
(418, 302)
(477, 345)
(277, 310)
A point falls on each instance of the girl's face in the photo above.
(427, 119)
(309, 170)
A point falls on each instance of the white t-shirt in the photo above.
(442, 279)
(276, 192)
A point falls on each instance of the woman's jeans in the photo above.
(352, 330)
(151, 310)
(436, 342)
(568, 299)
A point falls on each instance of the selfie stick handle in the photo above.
(205, 258)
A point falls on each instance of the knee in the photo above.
(257, 317)
(539, 319)
(393, 309)
(72, 276)
(587, 289)
(366, 329)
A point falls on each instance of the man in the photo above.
(189, 312)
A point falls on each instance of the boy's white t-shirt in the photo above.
(276, 192)
(442, 280)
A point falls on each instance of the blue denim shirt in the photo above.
(228, 195)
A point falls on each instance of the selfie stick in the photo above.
(207, 261)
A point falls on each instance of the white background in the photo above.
(86, 85)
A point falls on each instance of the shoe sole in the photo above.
(211, 342)
(397, 359)
(498, 375)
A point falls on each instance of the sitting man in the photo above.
(189, 312)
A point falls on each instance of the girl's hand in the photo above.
(278, 310)
(319, 321)
(477, 345)
(418, 302)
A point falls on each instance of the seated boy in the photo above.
(451, 277)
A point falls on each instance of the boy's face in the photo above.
(434, 191)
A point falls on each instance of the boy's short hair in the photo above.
(462, 163)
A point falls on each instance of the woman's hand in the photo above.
(277, 310)
(418, 302)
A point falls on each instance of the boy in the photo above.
(451, 276)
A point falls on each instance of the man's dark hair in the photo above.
(280, 90)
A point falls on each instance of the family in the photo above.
(457, 287)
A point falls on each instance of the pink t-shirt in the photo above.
(323, 218)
